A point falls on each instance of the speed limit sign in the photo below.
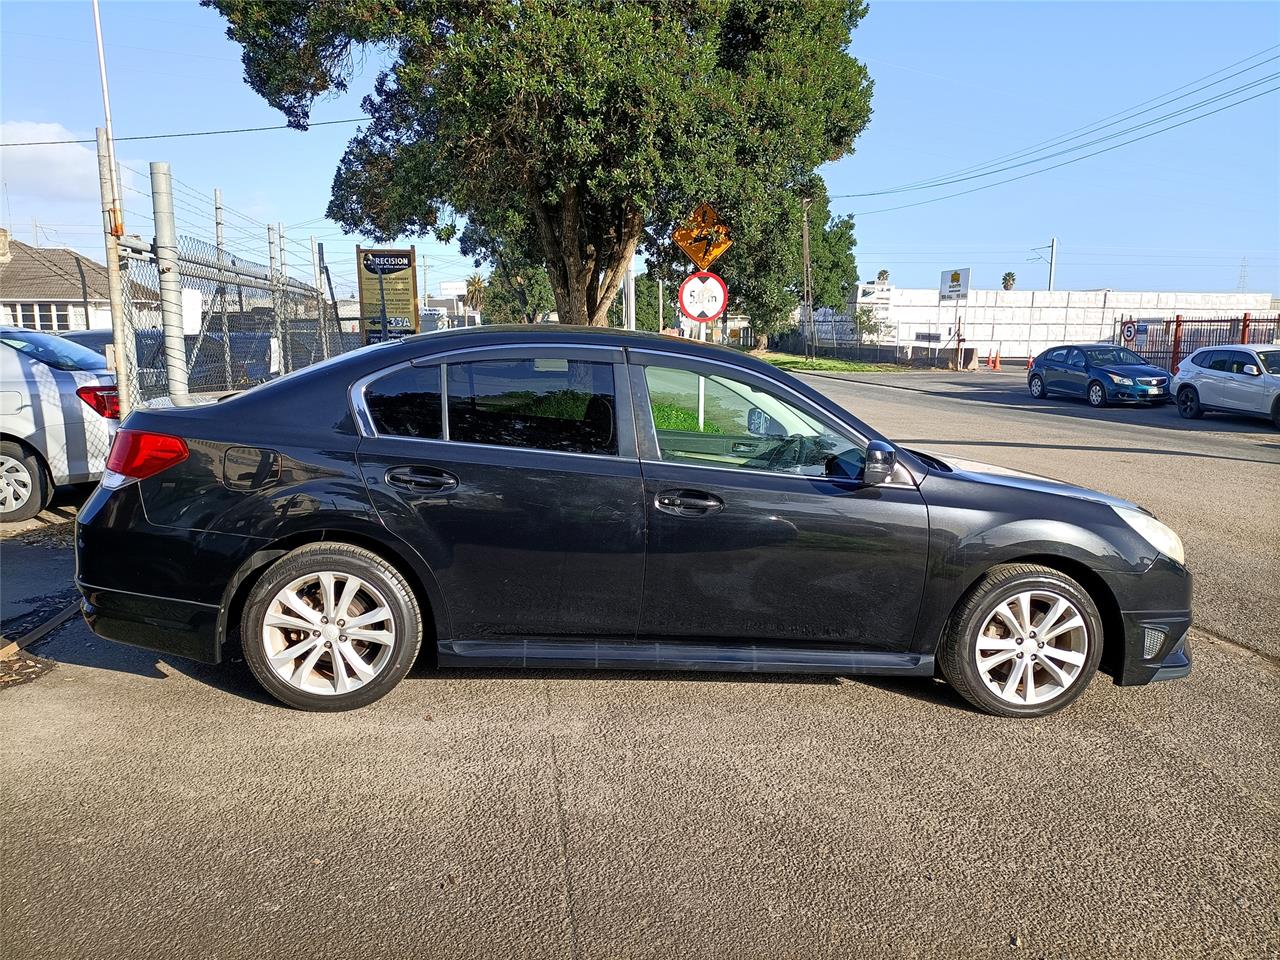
(703, 296)
(1129, 331)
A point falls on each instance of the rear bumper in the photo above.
(163, 624)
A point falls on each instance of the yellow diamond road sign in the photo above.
(703, 237)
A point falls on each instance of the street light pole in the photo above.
(1053, 260)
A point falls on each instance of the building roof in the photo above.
(48, 273)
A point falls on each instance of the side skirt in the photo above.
(616, 655)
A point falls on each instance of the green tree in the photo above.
(882, 276)
(1008, 280)
(473, 299)
(587, 120)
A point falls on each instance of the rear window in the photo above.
(406, 403)
(546, 404)
(53, 351)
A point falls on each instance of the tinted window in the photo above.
(57, 352)
(549, 404)
(1218, 360)
(1200, 359)
(406, 403)
(1076, 359)
(1106, 356)
(721, 422)
(1237, 360)
(1057, 356)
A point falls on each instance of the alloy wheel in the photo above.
(1032, 647)
(1037, 387)
(328, 633)
(1096, 395)
(16, 484)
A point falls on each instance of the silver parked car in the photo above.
(58, 414)
(1241, 378)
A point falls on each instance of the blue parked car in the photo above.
(1101, 373)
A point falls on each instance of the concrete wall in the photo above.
(1023, 322)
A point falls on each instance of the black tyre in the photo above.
(1024, 642)
(1275, 413)
(25, 487)
(331, 626)
(1189, 404)
(1036, 385)
(1096, 394)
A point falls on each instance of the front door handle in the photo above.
(688, 503)
(421, 479)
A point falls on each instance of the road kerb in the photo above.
(11, 647)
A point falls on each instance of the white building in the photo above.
(1021, 323)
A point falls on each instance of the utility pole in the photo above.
(175, 343)
(629, 297)
(276, 298)
(320, 317)
(222, 286)
(808, 286)
(117, 215)
(122, 348)
(661, 295)
(1053, 260)
(284, 300)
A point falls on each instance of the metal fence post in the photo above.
(124, 346)
(1176, 355)
(321, 326)
(1244, 328)
(222, 286)
(175, 344)
(276, 298)
(287, 343)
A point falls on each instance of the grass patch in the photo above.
(673, 416)
(797, 364)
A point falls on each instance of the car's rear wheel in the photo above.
(1275, 413)
(1025, 642)
(330, 626)
(1036, 386)
(1189, 404)
(25, 488)
(1097, 394)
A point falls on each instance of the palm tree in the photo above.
(1008, 280)
(882, 276)
(474, 298)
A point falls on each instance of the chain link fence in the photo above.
(242, 322)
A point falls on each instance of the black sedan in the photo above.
(1100, 373)
(567, 497)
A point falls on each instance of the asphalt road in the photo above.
(166, 809)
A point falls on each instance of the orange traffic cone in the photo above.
(996, 366)
(1028, 363)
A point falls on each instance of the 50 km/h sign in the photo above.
(703, 296)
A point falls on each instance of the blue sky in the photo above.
(957, 84)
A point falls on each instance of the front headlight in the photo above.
(1123, 381)
(1154, 532)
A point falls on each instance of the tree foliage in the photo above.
(573, 129)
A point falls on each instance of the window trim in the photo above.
(624, 420)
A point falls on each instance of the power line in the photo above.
(1032, 173)
(190, 133)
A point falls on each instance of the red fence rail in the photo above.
(1167, 342)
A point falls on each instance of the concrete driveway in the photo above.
(159, 808)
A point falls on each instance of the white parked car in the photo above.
(1230, 379)
(58, 414)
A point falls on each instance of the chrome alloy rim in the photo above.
(15, 484)
(328, 633)
(1032, 647)
(1096, 395)
(1037, 386)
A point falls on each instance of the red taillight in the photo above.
(104, 400)
(137, 454)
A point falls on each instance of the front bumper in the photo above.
(1155, 618)
(1136, 394)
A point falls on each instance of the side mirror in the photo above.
(1251, 371)
(880, 463)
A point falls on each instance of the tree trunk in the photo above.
(585, 271)
(762, 343)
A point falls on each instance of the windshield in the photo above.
(1108, 356)
(55, 351)
(1270, 360)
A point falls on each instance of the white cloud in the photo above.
(61, 172)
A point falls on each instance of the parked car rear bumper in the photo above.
(163, 624)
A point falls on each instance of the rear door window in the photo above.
(1057, 356)
(1219, 360)
(1237, 360)
(565, 405)
(407, 403)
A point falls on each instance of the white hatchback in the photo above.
(1239, 378)
(58, 414)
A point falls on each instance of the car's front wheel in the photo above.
(1036, 386)
(1097, 394)
(24, 483)
(1025, 641)
(330, 626)
(1189, 404)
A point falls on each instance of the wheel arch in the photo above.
(419, 577)
(1113, 646)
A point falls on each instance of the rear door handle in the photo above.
(421, 479)
(688, 503)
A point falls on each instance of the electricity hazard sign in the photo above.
(703, 297)
(704, 237)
